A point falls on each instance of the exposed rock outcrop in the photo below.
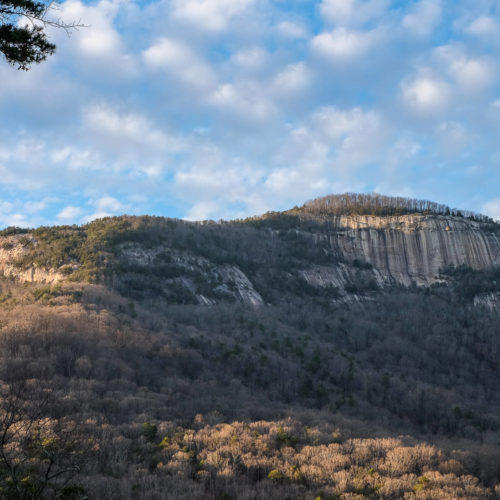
(225, 280)
(12, 249)
(413, 248)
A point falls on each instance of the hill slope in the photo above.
(220, 360)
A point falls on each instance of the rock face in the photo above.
(225, 280)
(13, 248)
(413, 248)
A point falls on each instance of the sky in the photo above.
(210, 109)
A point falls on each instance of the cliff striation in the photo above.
(414, 248)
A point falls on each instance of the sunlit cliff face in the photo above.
(415, 247)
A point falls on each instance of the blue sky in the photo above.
(227, 108)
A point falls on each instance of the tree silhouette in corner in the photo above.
(23, 39)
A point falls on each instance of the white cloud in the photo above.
(290, 182)
(292, 30)
(250, 59)
(128, 132)
(399, 154)
(98, 42)
(423, 18)
(352, 12)
(358, 136)
(109, 203)
(6, 207)
(203, 210)
(33, 207)
(22, 213)
(484, 26)
(98, 37)
(332, 144)
(246, 100)
(181, 61)
(70, 213)
(294, 78)
(219, 185)
(492, 209)
(106, 207)
(17, 220)
(335, 125)
(342, 44)
(211, 15)
(472, 74)
(74, 158)
(426, 95)
(453, 137)
(337, 11)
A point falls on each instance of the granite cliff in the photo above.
(414, 248)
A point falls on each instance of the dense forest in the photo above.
(118, 381)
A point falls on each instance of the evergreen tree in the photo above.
(23, 40)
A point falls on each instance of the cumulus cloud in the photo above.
(73, 158)
(99, 42)
(105, 207)
(352, 12)
(250, 59)
(331, 146)
(484, 26)
(246, 100)
(181, 62)
(219, 185)
(291, 30)
(211, 15)
(70, 213)
(453, 137)
(423, 17)
(343, 44)
(203, 210)
(426, 95)
(492, 209)
(24, 214)
(292, 79)
(471, 73)
(128, 131)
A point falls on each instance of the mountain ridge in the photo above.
(337, 253)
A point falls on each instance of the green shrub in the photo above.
(276, 475)
(285, 439)
(47, 292)
(421, 484)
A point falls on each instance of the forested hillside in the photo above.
(155, 358)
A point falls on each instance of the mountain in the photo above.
(211, 262)
(348, 348)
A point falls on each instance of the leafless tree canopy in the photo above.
(377, 204)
